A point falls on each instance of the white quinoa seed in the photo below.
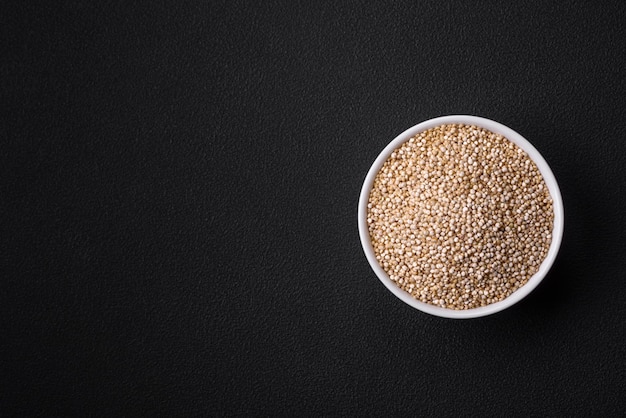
(460, 217)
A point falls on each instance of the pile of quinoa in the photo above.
(460, 217)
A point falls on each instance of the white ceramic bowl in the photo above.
(517, 139)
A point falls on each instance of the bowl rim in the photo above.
(549, 179)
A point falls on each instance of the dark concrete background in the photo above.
(178, 199)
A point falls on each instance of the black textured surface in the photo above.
(178, 200)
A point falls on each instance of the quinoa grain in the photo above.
(459, 217)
